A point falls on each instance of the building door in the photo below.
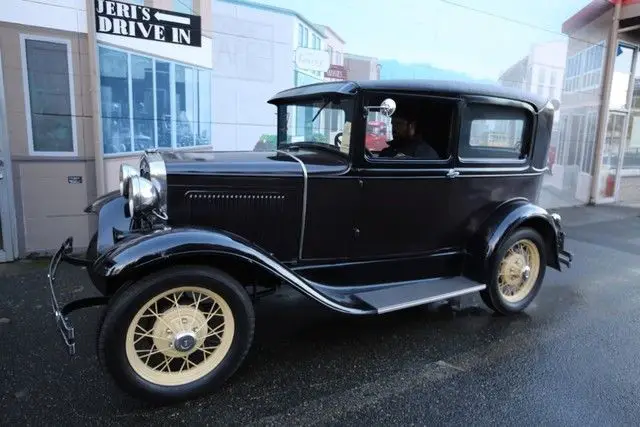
(7, 211)
(609, 179)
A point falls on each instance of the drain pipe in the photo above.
(605, 95)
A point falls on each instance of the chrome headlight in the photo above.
(142, 194)
(126, 172)
(153, 168)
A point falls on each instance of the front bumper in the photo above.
(63, 324)
(564, 256)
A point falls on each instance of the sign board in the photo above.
(312, 59)
(141, 22)
(336, 72)
(74, 179)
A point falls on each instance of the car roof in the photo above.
(446, 87)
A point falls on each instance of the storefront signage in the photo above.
(336, 72)
(141, 22)
(312, 59)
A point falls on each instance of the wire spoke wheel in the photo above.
(180, 335)
(518, 270)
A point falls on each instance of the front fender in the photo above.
(123, 262)
(504, 220)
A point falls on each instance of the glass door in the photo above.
(7, 215)
(608, 181)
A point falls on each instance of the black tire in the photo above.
(123, 308)
(492, 296)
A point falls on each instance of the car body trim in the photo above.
(305, 177)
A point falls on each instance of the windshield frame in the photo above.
(330, 101)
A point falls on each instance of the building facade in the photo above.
(69, 118)
(598, 151)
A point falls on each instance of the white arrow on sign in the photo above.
(172, 18)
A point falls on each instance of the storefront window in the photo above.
(114, 95)
(163, 103)
(142, 94)
(631, 159)
(621, 77)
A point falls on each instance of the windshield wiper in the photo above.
(320, 110)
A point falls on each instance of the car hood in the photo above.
(253, 162)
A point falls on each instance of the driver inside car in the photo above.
(406, 142)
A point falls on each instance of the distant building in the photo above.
(254, 54)
(334, 45)
(361, 67)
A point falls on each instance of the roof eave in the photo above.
(587, 14)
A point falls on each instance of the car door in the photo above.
(492, 162)
(404, 203)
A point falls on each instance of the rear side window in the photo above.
(494, 132)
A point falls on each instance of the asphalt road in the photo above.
(571, 359)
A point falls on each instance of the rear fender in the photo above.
(138, 255)
(501, 223)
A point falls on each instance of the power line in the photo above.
(516, 21)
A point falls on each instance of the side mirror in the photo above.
(388, 107)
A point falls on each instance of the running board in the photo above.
(418, 293)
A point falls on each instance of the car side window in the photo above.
(419, 128)
(494, 132)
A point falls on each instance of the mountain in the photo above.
(393, 69)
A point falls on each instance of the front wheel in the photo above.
(177, 334)
(516, 272)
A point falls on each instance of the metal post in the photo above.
(92, 51)
(612, 47)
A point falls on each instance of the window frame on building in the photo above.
(24, 38)
(577, 74)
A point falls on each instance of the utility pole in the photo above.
(603, 115)
(92, 54)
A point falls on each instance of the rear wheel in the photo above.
(516, 272)
(177, 334)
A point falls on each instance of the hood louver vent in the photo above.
(252, 214)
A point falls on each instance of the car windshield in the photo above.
(318, 121)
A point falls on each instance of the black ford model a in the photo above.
(189, 241)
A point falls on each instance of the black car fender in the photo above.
(505, 219)
(139, 255)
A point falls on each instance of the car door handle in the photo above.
(452, 173)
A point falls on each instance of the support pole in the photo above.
(92, 53)
(603, 116)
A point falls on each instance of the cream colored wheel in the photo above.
(179, 336)
(518, 271)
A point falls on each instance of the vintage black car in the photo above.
(192, 239)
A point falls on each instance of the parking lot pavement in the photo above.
(571, 359)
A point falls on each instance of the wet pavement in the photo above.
(571, 359)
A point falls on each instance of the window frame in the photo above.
(378, 163)
(172, 96)
(27, 97)
(473, 102)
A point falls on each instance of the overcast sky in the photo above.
(439, 33)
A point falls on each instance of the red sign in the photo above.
(336, 72)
